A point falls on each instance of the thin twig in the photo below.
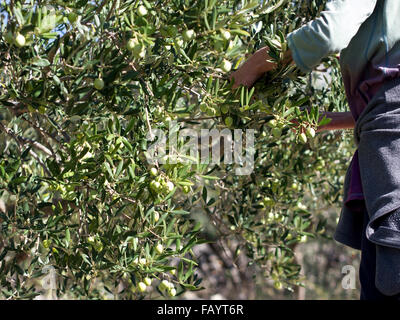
(21, 144)
(198, 119)
(36, 157)
(148, 124)
(111, 10)
(98, 10)
(23, 140)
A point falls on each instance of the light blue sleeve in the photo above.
(329, 33)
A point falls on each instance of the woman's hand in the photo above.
(253, 68)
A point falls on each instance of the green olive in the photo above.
(142, 287)
(228, 121)
(98, 84)
(20, 40)
(131, 44)
(165, 284)
(46, 243)
(272, 123)
(153, 172)
(172, 292)
(147, 281)
(156, 216)
(224, 109)
(155, 186)
(310, 132)
(226, 65)
(159, 248)
(276, 132)
(226, 35)
(211, 112)
(141, 11)
(203, 107)
(188, 35)
(170, 186)
(278, 285)
(9, 37)
(303, 137)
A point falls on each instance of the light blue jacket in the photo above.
(365, 33)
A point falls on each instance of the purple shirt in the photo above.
(357, 102)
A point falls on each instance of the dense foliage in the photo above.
(85, 86)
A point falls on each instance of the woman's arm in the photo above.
(330, 33)
(340, 121)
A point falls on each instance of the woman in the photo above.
(367, 35)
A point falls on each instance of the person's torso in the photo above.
(372, 56)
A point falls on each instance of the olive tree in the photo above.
(86, 89)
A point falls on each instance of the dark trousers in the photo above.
(367, 269)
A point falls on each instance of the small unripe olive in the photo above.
(141, 11)
(9, 37)
(159, 248)
(170, 186)
(172, 292)
(186, 189)
(188, 35)
(272, 123)
(228, 121)
(226, 65)
(226, 35)
(20, 40)
(278, 285)
(46, 243)
(303, 239)
(203, 107)
(156, 216)
(147, 281)
(268, 201)
(211, 112)
(303, 137)
(98, 84)
(91, 240)
(164, 285)
(131, 44)
(139, 52)
(153, 172)
(224, 109)
(276, 132)
(142, 287)
(310, 132)
(155, 186)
